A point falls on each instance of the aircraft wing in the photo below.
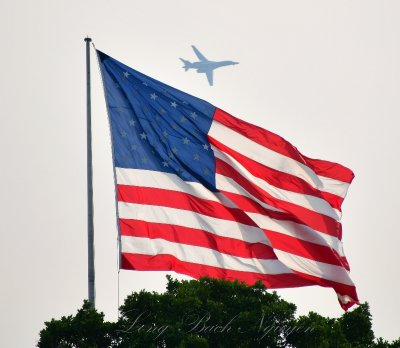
(210, 77)
(199, 54)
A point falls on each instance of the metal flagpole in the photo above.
(91, 288)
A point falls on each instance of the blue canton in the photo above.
(155, 126)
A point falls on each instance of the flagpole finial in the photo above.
(88, 39)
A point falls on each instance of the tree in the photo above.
(204, 313)
(86, 329)
(357, 326)
(211, 313)
(318, 332)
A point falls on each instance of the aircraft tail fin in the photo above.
(187, 65)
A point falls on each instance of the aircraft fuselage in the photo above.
(204, 65)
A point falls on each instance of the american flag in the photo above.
(203, 193)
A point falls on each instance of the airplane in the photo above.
(204, 65)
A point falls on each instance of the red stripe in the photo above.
(277, 178)
(299, 247)
(181, 200)
(280, 145)
(340, 288)
(310, 218)
(164, 262)
(330, 169)
(192, 236)
(153, 196)
(251, 206)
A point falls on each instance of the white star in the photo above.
(205, 147)
(185, 102)
(143, 135)
(206, 171)
(183, 119)
(133, 147)
(162, 111)
(132, 122)
(126, 74)
(144, 159)
(185, 141)
(174, 104)
(144, 83)
(165, 134)
(124, 134)
(196, 157)
(175, 150)
(153, 96)
(165, 164)
(193, 115)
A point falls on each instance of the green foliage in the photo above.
(381, 343)
(318, 332)
(84, 330)
(357, 326)
(202, 313)
(210, 313)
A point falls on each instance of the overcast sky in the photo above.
(323, 74)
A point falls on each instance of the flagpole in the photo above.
(91, 276)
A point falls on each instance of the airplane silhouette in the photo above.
(204, 65)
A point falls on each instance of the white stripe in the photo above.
(210, 257)
(344, 298)
(309, 202)
(221, 227)
(200, 255)
(298, 231)
(230, 185)
(275, 160)
(187, 218)
(314, 268)
(168, 181)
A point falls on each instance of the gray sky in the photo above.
(323, 74)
